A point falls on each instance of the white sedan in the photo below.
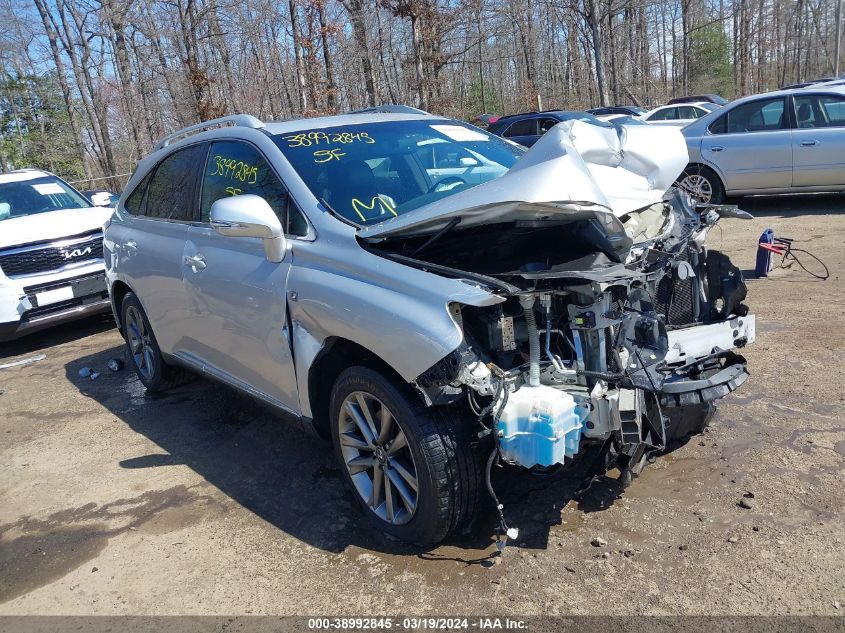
(679, 114)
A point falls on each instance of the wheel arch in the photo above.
(699, 165)
(119, 289)
(337, 354)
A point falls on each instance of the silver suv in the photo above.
(431, 297)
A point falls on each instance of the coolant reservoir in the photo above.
(540, 426)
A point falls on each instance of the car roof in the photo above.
(338, 120)
(834, 89)
(23, 174)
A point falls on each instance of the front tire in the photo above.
(702, 184)
(143, 350)
(411, 468)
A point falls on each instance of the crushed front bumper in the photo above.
(701, 364)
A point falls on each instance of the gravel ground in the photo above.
(201, 502)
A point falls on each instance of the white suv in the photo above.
(51, 253)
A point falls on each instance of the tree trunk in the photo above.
(297, 52)
(52, 38)
(355, 9)
(331, 86)
(596, 36)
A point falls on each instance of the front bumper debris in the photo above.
(694, 343)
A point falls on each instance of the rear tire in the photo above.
(143, 350)
(392, 447)
(702, 184)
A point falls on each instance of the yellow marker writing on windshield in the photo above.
(358, 205)
(325, 155)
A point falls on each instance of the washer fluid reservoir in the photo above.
(540, 426)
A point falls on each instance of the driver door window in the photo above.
(234, 169)
(812, 111)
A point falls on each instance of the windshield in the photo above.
(38, 195)
(709, 106)
(372, 172)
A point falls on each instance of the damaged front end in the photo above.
(616, 327)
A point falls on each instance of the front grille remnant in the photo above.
(675, 299)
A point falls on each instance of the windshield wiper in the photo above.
(449, 226)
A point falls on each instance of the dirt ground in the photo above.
(201, 502)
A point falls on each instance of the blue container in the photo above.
(764, 257)
(540, 426)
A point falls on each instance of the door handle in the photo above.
(717, 148)
(195, 262)
(808, 143)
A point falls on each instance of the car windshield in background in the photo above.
(709, 106)
(38, 195)
(369, 173)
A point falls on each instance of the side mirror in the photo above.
(248, 215)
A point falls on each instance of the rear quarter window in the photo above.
(134, 204)
(171, 193)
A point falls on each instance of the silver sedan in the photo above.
(789, 141)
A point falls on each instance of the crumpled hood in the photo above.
(52, 225)
(576, 167)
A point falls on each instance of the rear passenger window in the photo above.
(234, 169)
(526, 127)
(170, 194)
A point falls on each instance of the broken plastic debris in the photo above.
(115, 364)
(94, 375)
(24, 361)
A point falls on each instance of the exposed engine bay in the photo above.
(615, 328)
(604, 323)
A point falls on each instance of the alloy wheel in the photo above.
(698, 187)
(376, 454)
(140, 343)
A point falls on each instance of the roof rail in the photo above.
(390, 108)
(236, 120)
(510, 116)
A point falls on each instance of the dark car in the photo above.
(618, 110)
(720, 101)
(526, 128)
